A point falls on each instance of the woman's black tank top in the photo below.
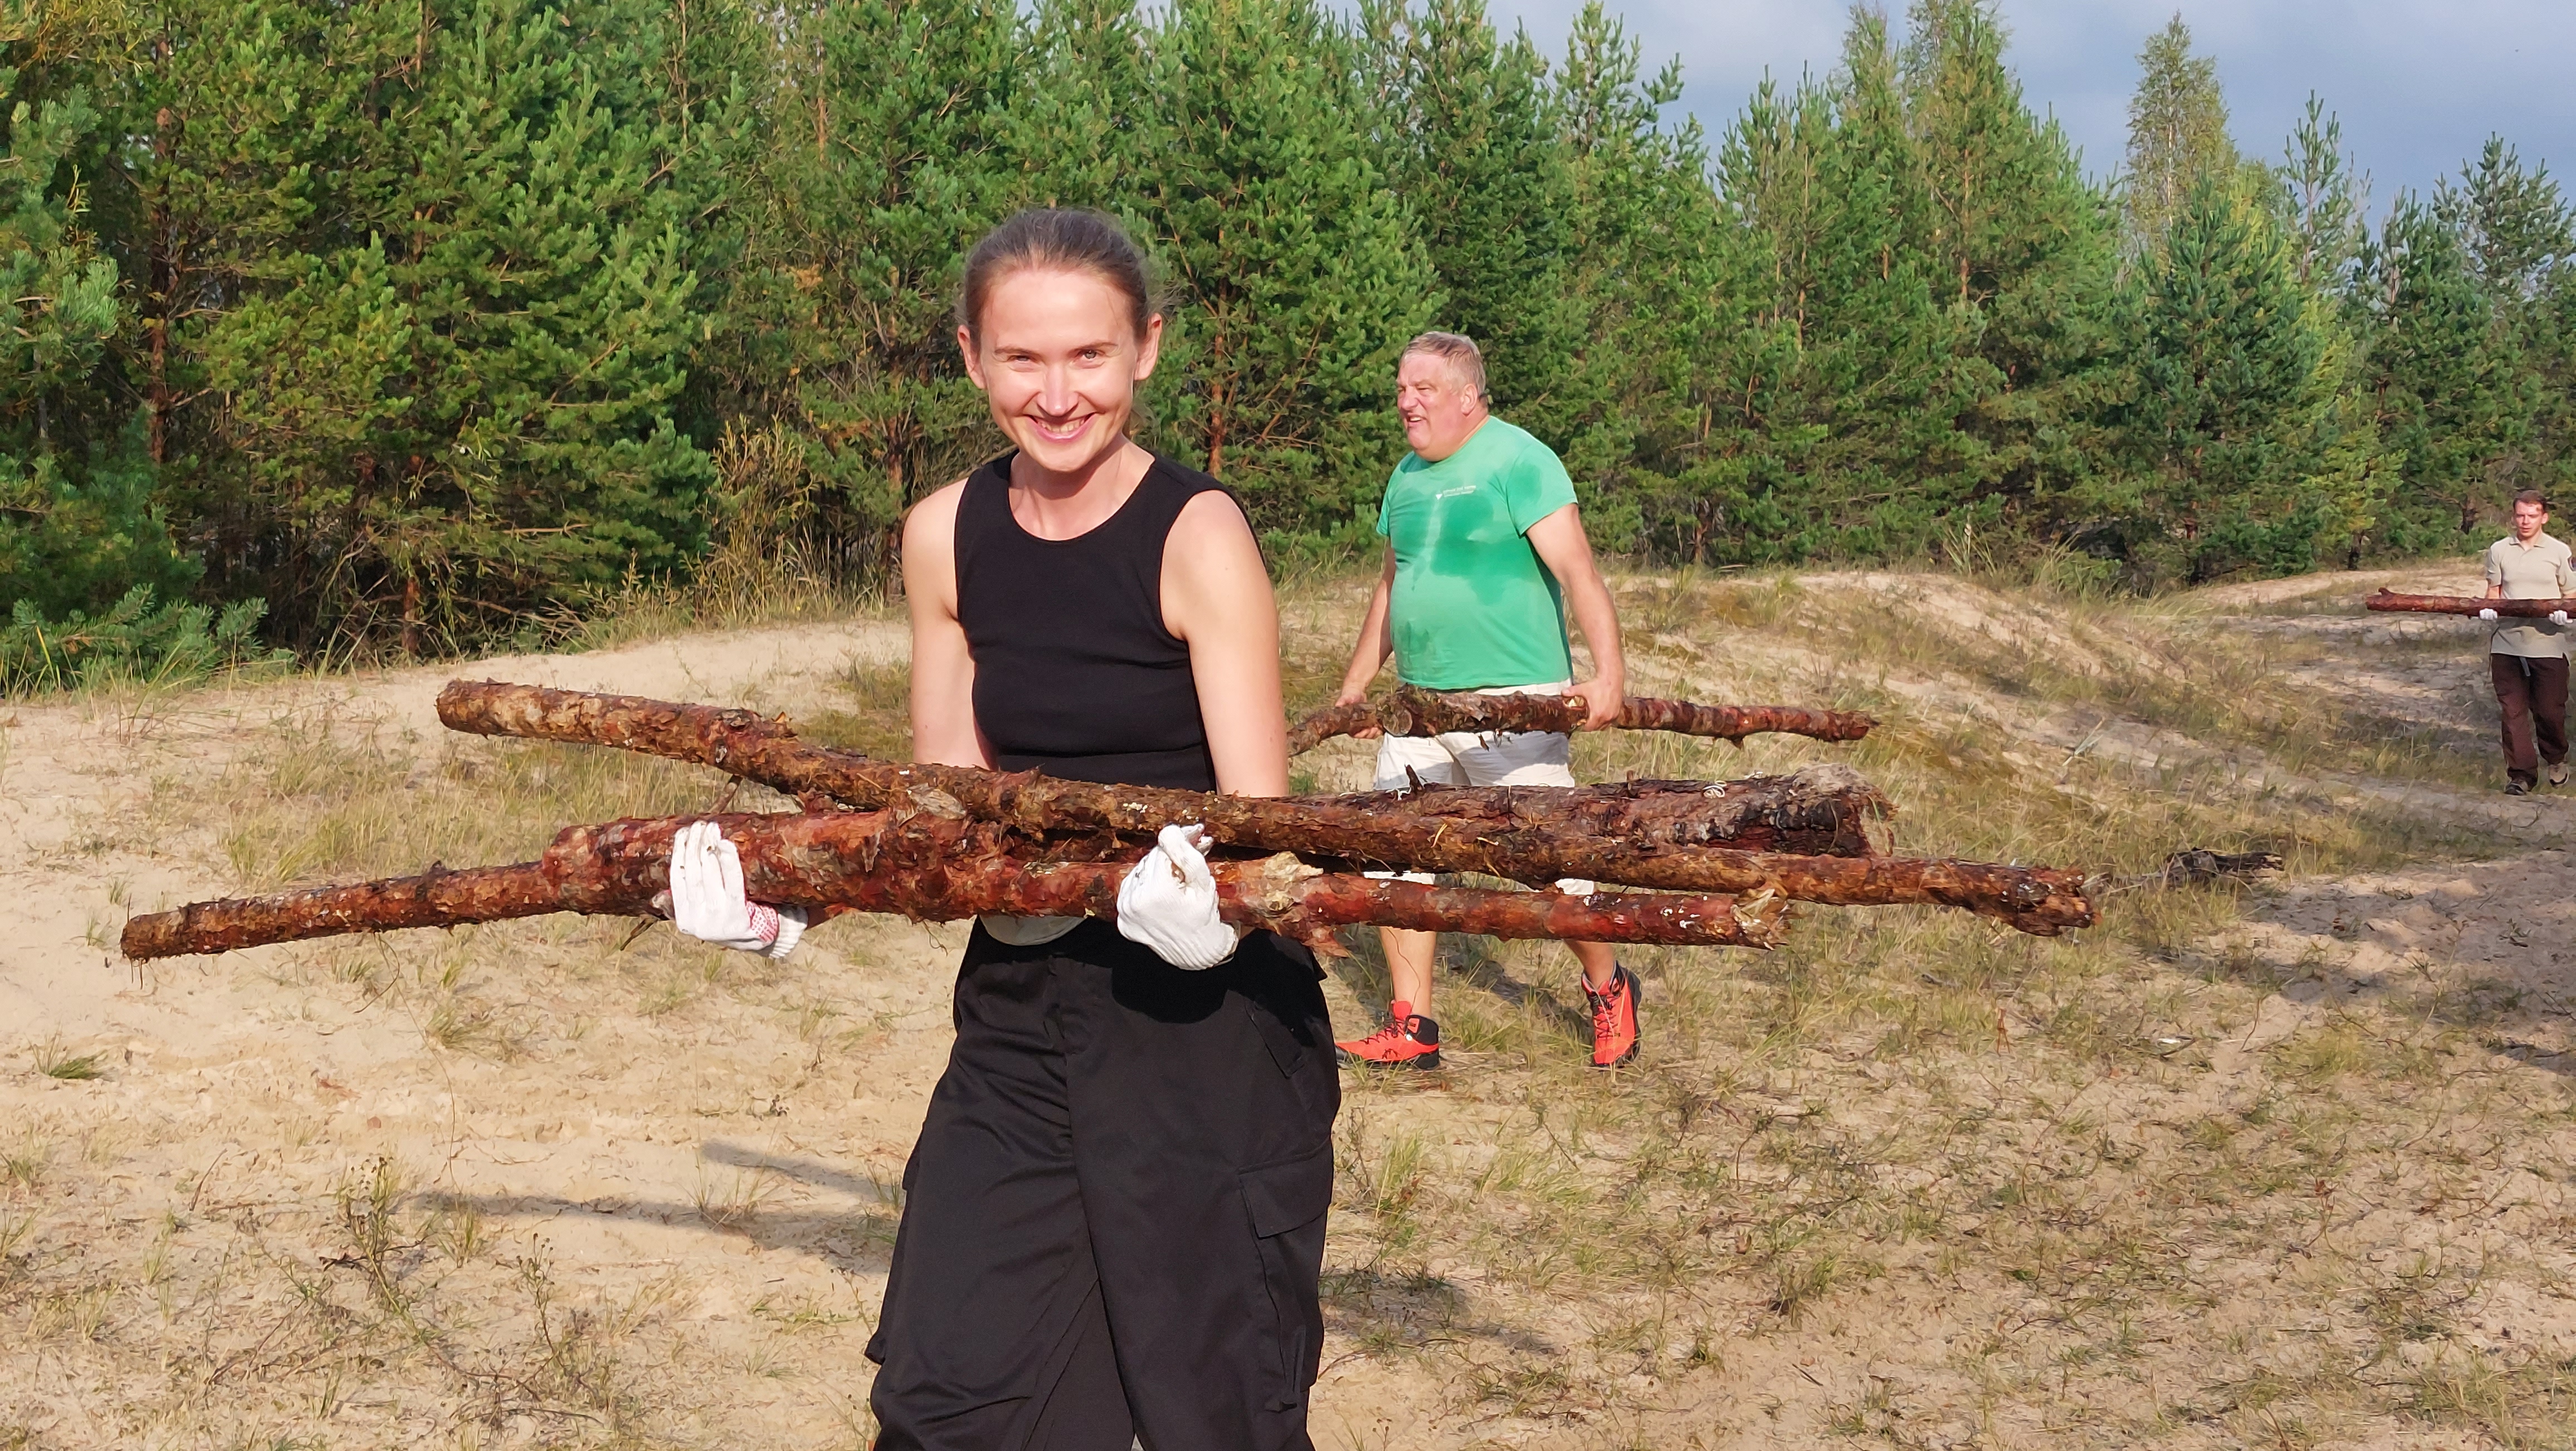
(1074, 672)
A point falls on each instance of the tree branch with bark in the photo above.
(931, 867)
(2391, 602)
(1415, 712)
(1719, 860)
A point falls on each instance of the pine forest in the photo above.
(359, 328)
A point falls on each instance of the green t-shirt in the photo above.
(1473, 606)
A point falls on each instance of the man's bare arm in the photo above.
(1567, 552)
(1376, 643)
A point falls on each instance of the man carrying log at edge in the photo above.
(2527, 659)
(1485, 554)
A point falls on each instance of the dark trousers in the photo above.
(2534, 696)
(1113, 1224)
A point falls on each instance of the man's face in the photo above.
(1438, 408)
(2529, 520)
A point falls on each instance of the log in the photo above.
(1317, 727)
(1414, 712)
(2390, 602)
(2038, 900)
(1822, 810)
(932, 868)
(2197, 866)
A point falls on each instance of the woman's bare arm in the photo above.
(943, 672)
(1216, 597)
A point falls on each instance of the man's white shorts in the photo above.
(1474, 758)
(1479, 758)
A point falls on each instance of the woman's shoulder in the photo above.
(1199, 501)
(932, 519)
(1181, 475)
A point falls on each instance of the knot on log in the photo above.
(937, 802)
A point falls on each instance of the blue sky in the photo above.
(2419, 83)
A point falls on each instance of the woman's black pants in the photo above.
(1114, 1220)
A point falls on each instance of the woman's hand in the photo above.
(707, 900)
(1168, 903)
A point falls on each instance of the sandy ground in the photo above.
(701, 1178)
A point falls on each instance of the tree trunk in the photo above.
(932, 868)
(1820, 809)
(1412, 712)
(2389, 601)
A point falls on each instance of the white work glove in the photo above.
(707, 901)
(1168, 903)
(2486, 614)
(2558, 617)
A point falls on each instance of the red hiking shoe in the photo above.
(1614, 1019)
(1409, 1040)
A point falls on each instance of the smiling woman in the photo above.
(1114, 1218)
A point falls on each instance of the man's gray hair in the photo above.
(1458, 350)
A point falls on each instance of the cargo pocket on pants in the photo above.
(1286, 1202)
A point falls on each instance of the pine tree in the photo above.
(2454, 397)
(1475, 157)
(80, 525)
(888, 158)
(2316, 200)
(419, 304)
(1078, 132)
(2177, 133)
(1662, 283)
(2014, 232)
(2320, 200)
(1294, 270)
(1744, 494)
(2231, 383)
(1880, 373)
(2514, 223)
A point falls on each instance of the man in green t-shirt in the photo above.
(1485, 557)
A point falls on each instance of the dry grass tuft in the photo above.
(55, 1061)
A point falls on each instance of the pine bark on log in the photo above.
(2390, 602)
(1317, 727)
(2039, 900)
(1820, 810)
(932, 868)
(1415, 712)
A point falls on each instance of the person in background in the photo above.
(2527, 659)
(1485, 557)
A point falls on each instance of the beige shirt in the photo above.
(2536, 571)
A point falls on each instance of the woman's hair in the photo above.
(1056, 239)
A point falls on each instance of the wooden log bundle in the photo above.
(1540, 847)
(931, 867)
(1822, 810)
(1719, 860)
(2391, 602)
(1415, 712)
